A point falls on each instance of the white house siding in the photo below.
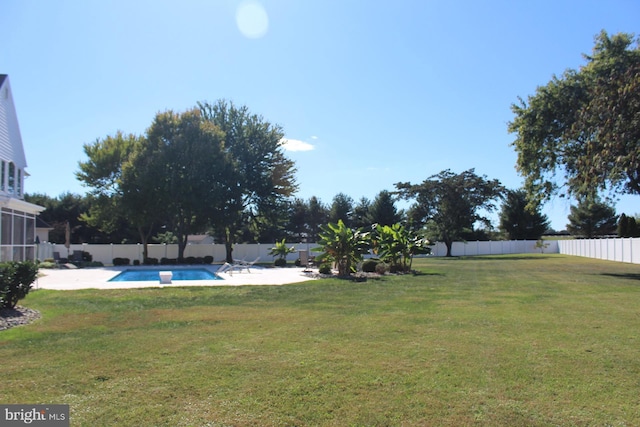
(17, 217)
(11, 148)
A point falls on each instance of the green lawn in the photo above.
(534, 340)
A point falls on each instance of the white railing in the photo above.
(615, 249)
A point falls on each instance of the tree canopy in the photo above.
(449, 204)
(258, 176)
(213, 166)
(584, 124)
(591, 217)
(520, 221)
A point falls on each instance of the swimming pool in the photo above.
(153, 275)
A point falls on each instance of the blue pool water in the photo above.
(149, 275)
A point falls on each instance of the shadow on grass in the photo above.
(632, 276)
(426, 273)
(504, 257)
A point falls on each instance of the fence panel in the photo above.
(614, 249)
(105, 253)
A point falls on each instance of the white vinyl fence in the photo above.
(106, 253)
(249, 252)
(618, 249)
(499, 247)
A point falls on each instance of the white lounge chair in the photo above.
(242, 264)
(238, 265)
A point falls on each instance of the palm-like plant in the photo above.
(343, 246)
(281, 250)
(396, 245)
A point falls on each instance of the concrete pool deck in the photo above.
(98, 278)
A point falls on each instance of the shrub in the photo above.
(369, 266)
(150, 261)
(47, 264)
(324, 269)
(396, 268)
(16, 279)
(190, 260)
(121, 261)
(86, 256)
(297, 262)
(94, 264)
(280, 262)
(208, 259)
(136, 262)
(382, 268)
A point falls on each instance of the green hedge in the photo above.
(16, 279)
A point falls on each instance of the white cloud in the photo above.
(296, 145)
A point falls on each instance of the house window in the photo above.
(7, 230)
(12, 178)
(19, 192)
(3, 183)
(17, 235)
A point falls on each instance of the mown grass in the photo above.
(512, 341)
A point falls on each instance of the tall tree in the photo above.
(584, 124)
(258, 175)
(360, 216)
(383, 210)
(318, 216)
(298, 216)
(342, 209)
(102, 173)
(518, 220)
(591, 217)
(193, 182)
(449, 203)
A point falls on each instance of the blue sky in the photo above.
(377, 93)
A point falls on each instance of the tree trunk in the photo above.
(144, 237)
(228, 245)
(182, 244)
(448, 244)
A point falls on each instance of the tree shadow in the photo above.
(529, 257)
(632, 276)
(425, 273)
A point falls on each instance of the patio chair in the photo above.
(239, 265)
(77, 256)
(58, 260)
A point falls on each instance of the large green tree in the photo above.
(185, 161)
(120, 198)
(383, 210)
(449, 204)
(342, 209)
(591, 217)
(102, 174)
(585, 125)
(318, 215)
(257, 175)
(520, 221)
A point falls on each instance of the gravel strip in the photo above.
(17, 316)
